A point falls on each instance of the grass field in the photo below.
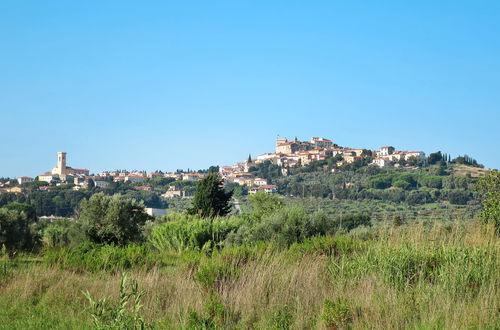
(417, 277)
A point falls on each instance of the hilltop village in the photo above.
(287, 155)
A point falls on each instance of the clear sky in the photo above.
(177, 84)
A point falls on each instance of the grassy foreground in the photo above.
(415, 277)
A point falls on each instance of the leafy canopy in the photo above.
(112, 219)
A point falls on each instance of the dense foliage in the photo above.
(113, 219)
(211, 200)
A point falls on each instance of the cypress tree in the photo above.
(210, 199)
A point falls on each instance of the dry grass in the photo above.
(475, 172)
(294, 285)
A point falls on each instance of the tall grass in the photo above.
(417, 276)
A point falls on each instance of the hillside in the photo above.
(465, 170)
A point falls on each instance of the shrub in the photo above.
(289, 225)
(282, 318)
(327, 245)
(63, 232)
(418, 197)
(336, 313)
(191, 232)
(15, 232)
(402, 184)
(93, 257)
(265, 204)
(112, 219)
(215, 316)
(459, 197)
(489, 187)
(351, 221)
(406, 266)
(214, 271)
(117, 315)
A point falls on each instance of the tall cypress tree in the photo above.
(210, 199)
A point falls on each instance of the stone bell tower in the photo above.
(61, 164)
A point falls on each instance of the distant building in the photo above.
(17, 190)
(321, 142)
(101, 183)
(382, 162)
(24, 179)
(386, 151)
(155, 212)
(191, 176)
(143, 188)
(48, 177)
(177, 192)
(268, 189)
(133, 178)
(62, 170)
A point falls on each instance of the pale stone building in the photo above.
(62, 170)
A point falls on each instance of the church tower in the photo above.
(61, 161)
(61, 164)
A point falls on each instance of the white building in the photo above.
(268, 189)
(133, 178)
(386, 151)
(321, 142)
(24, 179)
(101, 183)
(48, 177)
(155, 212)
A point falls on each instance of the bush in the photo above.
(113, 219)
(215, 316)
(282, 318)
(417, 197)
(63, 232)
(290, 225)
(458, 197)
(489, 187)
(15, 230)
(336, 313)
(402, 184)
(117, 315)
(351, 221)
(93, 257)
(191, 232)
(327, 245)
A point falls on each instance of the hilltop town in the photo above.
(287, 154)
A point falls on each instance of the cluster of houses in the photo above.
(240, 173)
(299, 153)
(287, 154)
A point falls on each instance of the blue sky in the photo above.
(166, 85)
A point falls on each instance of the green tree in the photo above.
(210, 199)
(213, 169)
(435, 157)
(112, 219)
(264, 204)
(29, 210)
(15, 231)
(489, 187)
(402, 184)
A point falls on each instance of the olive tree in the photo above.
(112, 219)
